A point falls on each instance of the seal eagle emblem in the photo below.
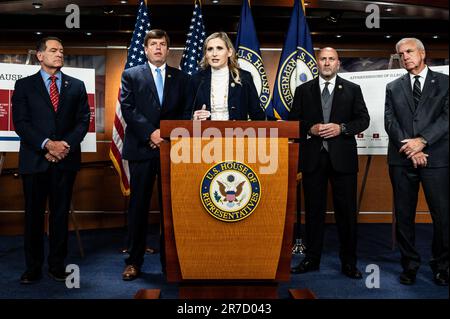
(230, 191)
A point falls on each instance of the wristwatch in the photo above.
(424, 141)
(343, 128)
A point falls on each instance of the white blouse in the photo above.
(219, 94)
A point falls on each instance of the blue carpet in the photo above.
(101, 269)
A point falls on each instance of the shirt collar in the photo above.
(423, 74)
(154, 67)
(332, 81)
(47, 76)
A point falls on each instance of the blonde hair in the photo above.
(232, 60)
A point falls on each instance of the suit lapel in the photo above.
(337, 95)
(148, 78)
(40, 86)
(428, 89)
(206, 90)
(233, 88)
(316, 95)
(65, 86)
(167, 84)
(407, 91)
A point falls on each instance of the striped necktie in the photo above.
(417, 92)
(54, 94)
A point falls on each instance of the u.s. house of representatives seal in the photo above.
(298, 68)
(251, 61)
(230, 191)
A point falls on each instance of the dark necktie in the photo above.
(54, 94)
(325, 93)
(417, 92)
(325, 98)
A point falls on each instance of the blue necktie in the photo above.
(159, 85)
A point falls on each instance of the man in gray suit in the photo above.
(416, 120)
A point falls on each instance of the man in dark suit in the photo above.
(331, 111)
(416, 120)
(150, 92)
(51, 115)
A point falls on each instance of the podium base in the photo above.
(147, 294)
(228, 292)
(302, 294)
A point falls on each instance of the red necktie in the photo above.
(54, 94)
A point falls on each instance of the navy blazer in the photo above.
(429, 119)
(243, 99)
(348, 107)
(142, 111)
(35, 120)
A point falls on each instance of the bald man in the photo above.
(331, 111)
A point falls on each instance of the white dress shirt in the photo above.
(423, 76)
(330, 86)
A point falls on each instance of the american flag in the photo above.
(193, 49)
(136, 56)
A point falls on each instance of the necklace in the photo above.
(219, 109)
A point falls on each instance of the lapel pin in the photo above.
(66, 83)
(432, 81)
(169, 75)
(232, 84)
(339, 86)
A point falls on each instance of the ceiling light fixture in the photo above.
(215, 1)
(334, 17)
(37, 5)
(388, 36)
(338, 35)
(108, 10)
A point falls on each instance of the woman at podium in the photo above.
(222, 91)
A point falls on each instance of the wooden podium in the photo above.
(214, 254)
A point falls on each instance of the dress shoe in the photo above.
(151, 250)
(351, 271)
(30, 277)
(441, 278)
(131, 272)
(408, 277)
(58, 274)
(305, 266)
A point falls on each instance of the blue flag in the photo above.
(193, 49)
(249, 55)
(297, 63)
